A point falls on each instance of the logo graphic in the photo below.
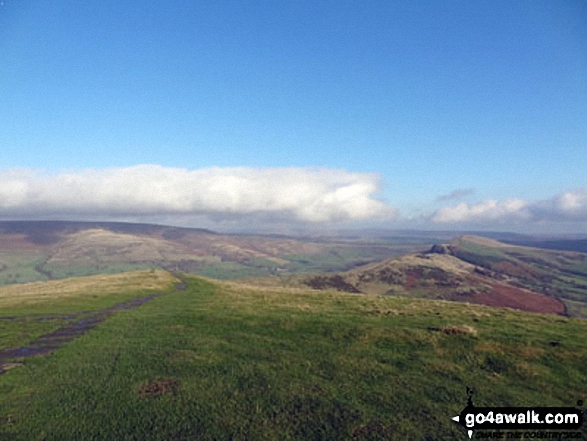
(535, 421)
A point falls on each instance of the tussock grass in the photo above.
(455, 330)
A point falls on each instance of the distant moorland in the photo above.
(36, 251)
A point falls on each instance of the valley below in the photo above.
(36, 251)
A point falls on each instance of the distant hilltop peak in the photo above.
(37, 227)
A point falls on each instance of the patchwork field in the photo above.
(224, 360)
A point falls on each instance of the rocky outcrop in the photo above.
(441, 249)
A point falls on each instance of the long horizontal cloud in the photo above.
(302, 194)
(568, 206)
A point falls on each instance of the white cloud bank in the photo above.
(570, 206)
(300, 194)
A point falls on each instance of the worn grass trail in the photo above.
(78, 325)
(222, 361)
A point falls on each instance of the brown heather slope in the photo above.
(504, 295)
(442, 274)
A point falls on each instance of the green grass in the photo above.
(333, 260)
(579, 269)
(343, 256)
(24, 330)
(97, 251)
(243, 363)
(490, 254)
(63, 271)
(19, 267)
(576, 309)
(23, 322)
(231, 270)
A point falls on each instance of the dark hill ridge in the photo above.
(43, 232)
(476, 270)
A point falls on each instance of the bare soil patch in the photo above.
(157, 388)
(455, 330)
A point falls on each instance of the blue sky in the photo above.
(445, 114)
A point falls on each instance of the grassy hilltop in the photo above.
(223, 360)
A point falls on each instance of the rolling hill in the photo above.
(476, 270)
(44, 250)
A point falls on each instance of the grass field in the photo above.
(222, 360)
(20, 267)
(80, 288)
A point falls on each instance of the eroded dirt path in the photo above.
(47, 343)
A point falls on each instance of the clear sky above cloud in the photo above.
(445, 114)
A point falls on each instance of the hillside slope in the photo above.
(475, 270)
(31, 251)
(222, 360)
